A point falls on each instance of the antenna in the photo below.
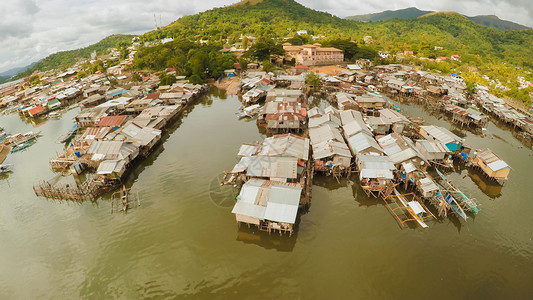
(155, 23)
(160, 23)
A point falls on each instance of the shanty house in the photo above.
(273, 204)
(491, 165)
(443, 135)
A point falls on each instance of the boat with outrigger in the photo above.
(466, 202)
(124, 200)
(408, 207)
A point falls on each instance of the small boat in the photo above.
(456, 207)
(66, 137)
(5, 168)
(20, 147)
(414, 208)
(468, 203)
(124, 200)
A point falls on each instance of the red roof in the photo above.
(36, 110)
(112, 121)
(152, 96)
(301, 67)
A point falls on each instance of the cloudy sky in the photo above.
(32, 29)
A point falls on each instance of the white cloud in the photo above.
(32, 29)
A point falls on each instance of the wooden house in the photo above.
(494, 167)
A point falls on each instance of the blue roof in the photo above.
(117, 93)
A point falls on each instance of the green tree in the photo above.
(264, 48)
(267, 66)
(167, 79)
(312, 80)
(34, 79)
(136, 77)
(81, 74)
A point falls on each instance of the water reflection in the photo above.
(330, 182)
(490, 188)
(274, 240)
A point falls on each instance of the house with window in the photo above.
(312, 55)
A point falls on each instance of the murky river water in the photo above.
(183, 242)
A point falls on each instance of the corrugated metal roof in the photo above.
(403, 155)
(273, 167)
(492, 160)
(355, 127)
(325, 132)
(498, 165)
(248, 150)
(408, 167)
(441, 134)
(242, 165)
(376, 174)
(112, 121)
(288, 145)
(433, 147)
(375, 162)
(427, 185)
(267, 200)
(283, 204)
(248, 209)
(393, 116)
(330, 148)
(363, 141)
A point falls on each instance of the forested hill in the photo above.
(68, 58)
(444, 34)
(432, 35)
(413, 12)
(275, 18)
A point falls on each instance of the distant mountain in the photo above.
(494, 21)
(406, 13)
(12, 72)
(413, 12)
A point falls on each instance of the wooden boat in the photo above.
(455, 206)
(468, 203)
(404, 210)
(124, 200)
(5, 168)
(414, 209)
(65, 138)
(20, 147)
(22, 138)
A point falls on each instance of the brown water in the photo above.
(183, 242)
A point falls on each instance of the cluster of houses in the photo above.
(501, 110)
(277, 172)
(58, 89)
(116, 128)
(362, 134)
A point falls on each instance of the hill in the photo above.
(68, 58)
(274, 18)
(406, 13)
(413, 12)
(494, 21)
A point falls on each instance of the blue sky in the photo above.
(32, 29)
